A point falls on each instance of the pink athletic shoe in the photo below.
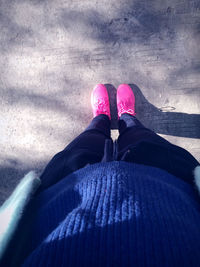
(125, 100)
(100, 101)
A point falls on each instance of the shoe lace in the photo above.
(101, 105)
(122, 109)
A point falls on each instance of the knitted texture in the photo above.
(116, 214)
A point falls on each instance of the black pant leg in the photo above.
(87, 148)
(138, 144)
(132, 132)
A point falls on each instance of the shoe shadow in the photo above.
(112, 92)
(159, 120)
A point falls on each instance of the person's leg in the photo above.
(131, 129)
(132, 132)
(88, 147)
(138, 144)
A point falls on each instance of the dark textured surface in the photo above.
(54, 52)
(115, 214)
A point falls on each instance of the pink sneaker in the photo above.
(100, 101)
(125, 100)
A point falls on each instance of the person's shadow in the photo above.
(169, 123)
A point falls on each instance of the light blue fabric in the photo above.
(13, 208)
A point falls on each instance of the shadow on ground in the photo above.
(159, 120)
(54, 50)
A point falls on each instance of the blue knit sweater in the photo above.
(116, 214)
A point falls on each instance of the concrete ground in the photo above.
(53, 52)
